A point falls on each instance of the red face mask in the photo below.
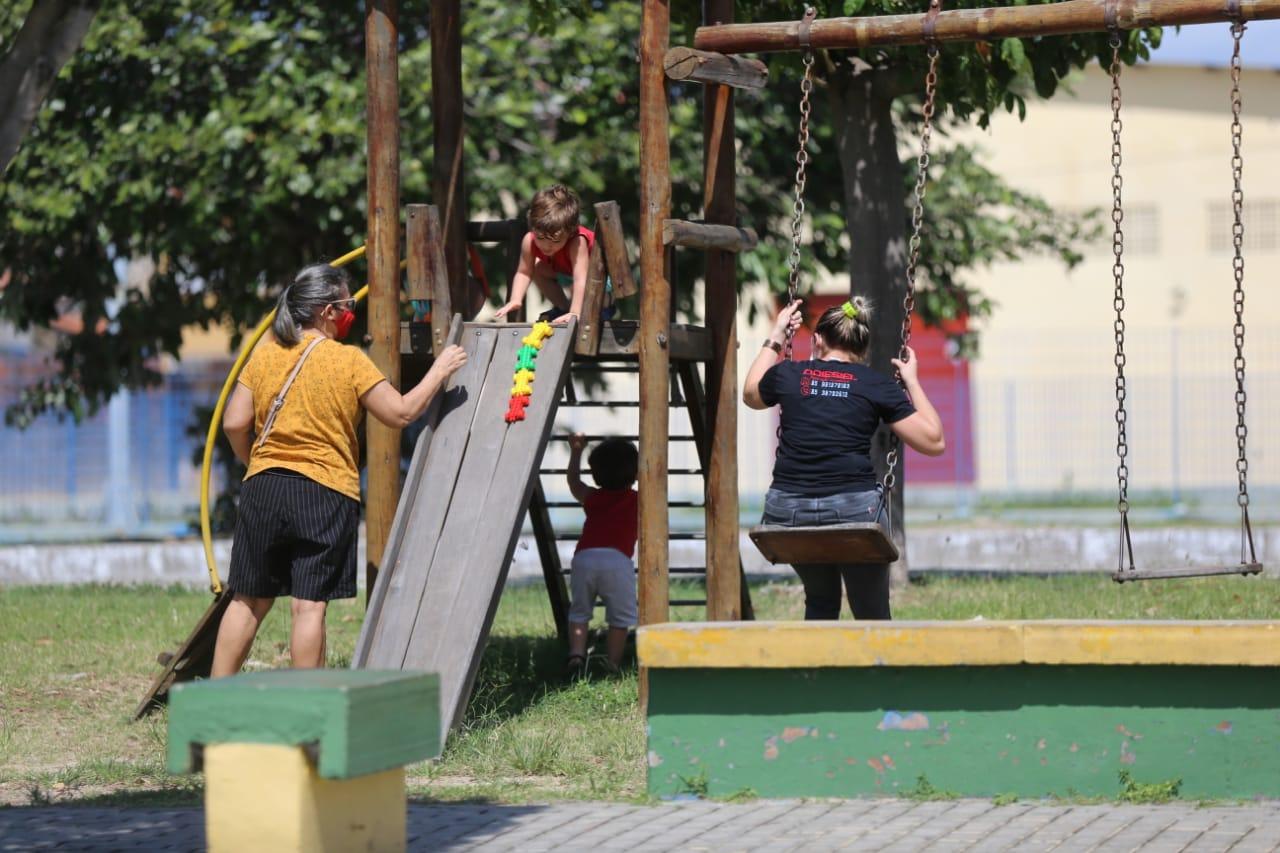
(342, 323)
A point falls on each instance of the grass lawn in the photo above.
(74, 661)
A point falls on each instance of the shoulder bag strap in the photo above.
(278, 401)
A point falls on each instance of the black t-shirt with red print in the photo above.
(829, 410)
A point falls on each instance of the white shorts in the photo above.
(607, 574)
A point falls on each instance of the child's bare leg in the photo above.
(545, 278)
(577, 639)
(616, 644)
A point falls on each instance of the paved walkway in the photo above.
(765, 825)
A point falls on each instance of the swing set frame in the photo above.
(715, 54)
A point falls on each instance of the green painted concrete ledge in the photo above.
(355, 721)
(978, 709)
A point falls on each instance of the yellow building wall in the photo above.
(1043, 386)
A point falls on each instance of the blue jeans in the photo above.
(865, 584)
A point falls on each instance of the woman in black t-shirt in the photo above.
(831, 406)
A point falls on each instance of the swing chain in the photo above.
(1117, 271)
(917, 211)
(797, 208)
(1237, 264)
(917, 229)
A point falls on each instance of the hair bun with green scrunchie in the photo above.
(850, 310)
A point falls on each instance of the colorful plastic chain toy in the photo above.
(526, 366)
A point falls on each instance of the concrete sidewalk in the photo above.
(764, 825)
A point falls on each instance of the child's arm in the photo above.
(581, 264)
(579, 490)
(520, 281)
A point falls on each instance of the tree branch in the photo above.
(50, 36)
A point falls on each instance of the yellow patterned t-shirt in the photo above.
(315, 431)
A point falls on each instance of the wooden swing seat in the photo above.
(861, 542)
(1173, 572)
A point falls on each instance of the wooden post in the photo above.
(979, 24)
(442, 304)
(655, 323)
(592, 302)
(513, 244)
(428, 275)
(724, 575)
(544, 536)
(382, 69)
(617, 262)
(447, 185)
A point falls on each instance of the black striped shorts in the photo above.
(294, 537)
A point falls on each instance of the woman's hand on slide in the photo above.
(450, 359)
(909, 370)
(788, 321)
(505, 310)
(563, 319)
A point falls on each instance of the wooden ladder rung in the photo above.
(674, 570)
(566, 437)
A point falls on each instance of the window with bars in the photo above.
(1141, 226)
(1261, 225)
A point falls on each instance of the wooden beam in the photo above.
(617, 260)
(442, 307)
(544, 536)
(382, 86)
(1048, 19)
(592, 301)
(655, 306)
(703, 235)
(428, 273)
(512, 246)
(620, 339)
(417, 252)
(720, 310)
(448, 189)
(701, 66)
(495, 230)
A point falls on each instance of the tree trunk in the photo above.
(50, 35)
(861, 101)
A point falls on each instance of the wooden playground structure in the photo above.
(898, 659)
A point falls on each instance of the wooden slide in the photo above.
(460, 514)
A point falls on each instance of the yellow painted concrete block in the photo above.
(812, 644)
(1184, 643)
(755, 645)
(268, 797)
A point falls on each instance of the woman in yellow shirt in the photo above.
(299, 509)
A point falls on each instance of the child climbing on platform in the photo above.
(602, 566)
(554, 255)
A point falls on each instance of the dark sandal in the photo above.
(575, 666)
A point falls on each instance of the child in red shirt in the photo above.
(602, 566)
(553, 255)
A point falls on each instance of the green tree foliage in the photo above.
(226, 140)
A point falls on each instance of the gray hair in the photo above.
(312, 289)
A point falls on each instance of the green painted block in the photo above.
(358, 721)
(1031, 730)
